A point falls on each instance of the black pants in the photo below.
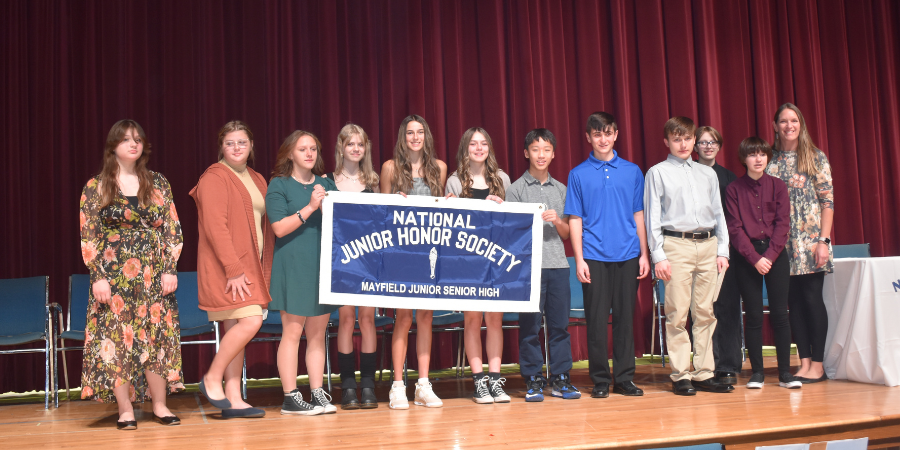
(777, 282)
(613, 285)
(809, 318)
(727, 337)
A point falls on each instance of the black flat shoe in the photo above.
(683, 387)
(348, 399)
(367, 399)
(601, 390)
(726, 377)
(628, 389)
(710, 385)
(805, 380)
(126, 425)
(243, 413)
(222, 403)
(168, 420)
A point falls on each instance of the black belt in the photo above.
(692, 235)
(759, 241)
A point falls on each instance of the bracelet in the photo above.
(302, 220)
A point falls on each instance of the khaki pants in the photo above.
(693, 288)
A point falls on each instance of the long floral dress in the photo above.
(809, 197)
(137, 329)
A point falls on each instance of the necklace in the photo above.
(356, 178)
(305, 185)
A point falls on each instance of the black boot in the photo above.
(347, 365)
(367, 380)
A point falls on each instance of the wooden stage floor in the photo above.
(741, 419)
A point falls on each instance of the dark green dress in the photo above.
(295, 268)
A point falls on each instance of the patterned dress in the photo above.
(808, 198)
(137, 329)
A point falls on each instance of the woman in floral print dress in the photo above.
(131, 241)
(807, 173)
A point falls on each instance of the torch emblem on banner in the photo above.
(432, 256)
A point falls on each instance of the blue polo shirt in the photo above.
(606, 195)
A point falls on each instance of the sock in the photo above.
(347, 366)
(477, 376)
(494, 375)
(423, 381)
(367, 370)
(398, 384)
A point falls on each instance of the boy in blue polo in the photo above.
(605, 205)
(537, 186)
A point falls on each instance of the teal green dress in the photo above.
(295, 268)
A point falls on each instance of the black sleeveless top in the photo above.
(481, 194)
(330, 176)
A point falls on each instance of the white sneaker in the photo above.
(425, 396)
(757, 380)
(397, 398)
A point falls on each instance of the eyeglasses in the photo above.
(240, 144)
(711, 144)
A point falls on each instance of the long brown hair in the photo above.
(491, 168)
(283, 164)
(236, 125)
(369, 177)
(806, 150)
(402, 178)
(109, 185)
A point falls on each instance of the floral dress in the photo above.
(137, 330)
(808, 198)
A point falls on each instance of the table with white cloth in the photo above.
(862, 297)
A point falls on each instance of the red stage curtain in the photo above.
(182, 69)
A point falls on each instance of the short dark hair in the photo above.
(753, 145)
(708, 129)
(679, 126)
(538, 134)
(601, 121)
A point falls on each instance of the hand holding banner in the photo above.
(433, 253)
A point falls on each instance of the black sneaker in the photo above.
(482, 394)
(561, 386)
(367, 399)
(349, 400)
(535, 389)
(496, 389)
(757, 380)
(321, 398)
(294, 404)
(786, 380)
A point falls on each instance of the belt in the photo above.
(690, 235)
(759, 241)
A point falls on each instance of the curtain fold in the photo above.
(182, 69)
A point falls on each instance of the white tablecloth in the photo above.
(862, 297)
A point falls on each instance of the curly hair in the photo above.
(491, 168)
(402, 177)
(369, 177)
(109, 173)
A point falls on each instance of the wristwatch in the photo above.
(827, 241)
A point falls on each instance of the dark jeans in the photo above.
(777, 283)
(556, 301)
(613, 285)
(727, 337)
(809, 319)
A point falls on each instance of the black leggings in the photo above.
(750, 283)
(809, 318)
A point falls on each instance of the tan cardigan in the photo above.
(227, 245)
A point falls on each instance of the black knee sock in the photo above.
(367, 370)
(347, 365)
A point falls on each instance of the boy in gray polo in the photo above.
(537, 186)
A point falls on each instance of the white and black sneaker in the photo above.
(321, 398)
(786, 380)
(496, 389)
(294, 404)
(757, 380)
(482, 394)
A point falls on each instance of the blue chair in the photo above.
(576, 311)
(656, 320)
(26, 316)
(851, 251)
(271, 325)
(76, 318)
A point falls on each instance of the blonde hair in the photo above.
(402, 177)
(491, 168)
(806, 149)
(369, 177)
(236, 125)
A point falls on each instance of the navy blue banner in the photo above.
(440, 256)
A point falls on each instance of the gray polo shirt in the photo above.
(527, 189)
